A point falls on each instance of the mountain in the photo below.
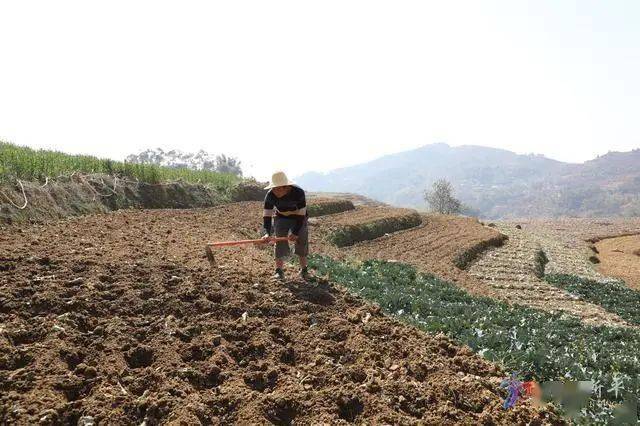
(495, 182)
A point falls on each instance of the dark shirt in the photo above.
(292, 205)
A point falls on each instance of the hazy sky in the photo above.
(318, 85)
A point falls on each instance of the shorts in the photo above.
(283, 226)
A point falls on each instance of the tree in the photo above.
(226, 164)
(200, 160)
(441, 199)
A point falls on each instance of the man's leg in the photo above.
(302, 249)
(282, 249)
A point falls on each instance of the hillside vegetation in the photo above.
(495, 182)
(17, 162)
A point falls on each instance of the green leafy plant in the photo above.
(549, 346)
(614, 297)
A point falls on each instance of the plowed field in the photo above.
(514, 271)
(118, 319)
(620, 257)
(572, 230)
(566, 242)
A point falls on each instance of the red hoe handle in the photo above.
(211, 257)
(242, 242)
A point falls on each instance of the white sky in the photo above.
(317, 85)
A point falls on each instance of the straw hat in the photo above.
(279, 179)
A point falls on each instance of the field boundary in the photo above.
(616, 298)
(466, 257)
(347, 235)
(322, 207)
(82, 194)
(594, 240)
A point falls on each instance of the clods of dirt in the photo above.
(151, 333)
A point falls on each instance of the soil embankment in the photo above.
(89, 194)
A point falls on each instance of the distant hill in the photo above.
(495, 182)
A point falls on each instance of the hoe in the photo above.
(211, 257)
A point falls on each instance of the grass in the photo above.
(24, 163)
(548, 346)
(614, 297)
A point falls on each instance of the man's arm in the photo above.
(268, 214)
(301, 205)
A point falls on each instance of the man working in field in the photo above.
(288, 203)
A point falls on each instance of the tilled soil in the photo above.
(620, 257)
(119, 319)
(513, 271)
(578, 230)
(566, 243)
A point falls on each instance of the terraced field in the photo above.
(118, 319)
(515, 270)
(436, 246)
(575, 230)
(364, 223)
(320, 206)
(356, 199)
(568, 243)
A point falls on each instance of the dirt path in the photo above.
(118, 318)
(513, 270)
(620, 257)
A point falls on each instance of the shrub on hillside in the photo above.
(441, 199)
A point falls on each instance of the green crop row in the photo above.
(323, 208)
(547, 346)
(614, 297)
(347, 235)
(24, 163)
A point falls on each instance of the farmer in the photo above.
(287, 202)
